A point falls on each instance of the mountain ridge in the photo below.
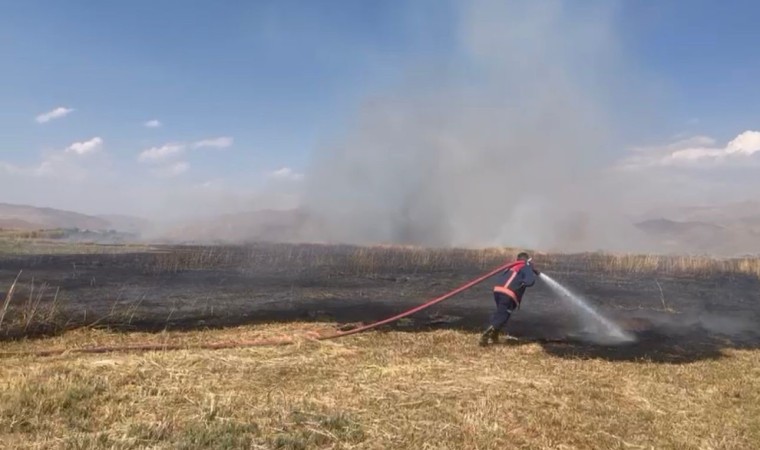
(728, 230)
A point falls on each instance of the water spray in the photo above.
(604, 330)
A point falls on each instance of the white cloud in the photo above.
(220, 142)
(10, 168)
(63, 165)
(83, 148)
(747, 143)
(152, 124)
(285, 173)
(171, 150)
(700, 151)
(58, 166)
(172, 170)
(158, 154)
(57, 113)
(679, 143)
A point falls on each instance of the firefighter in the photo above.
(508, 293)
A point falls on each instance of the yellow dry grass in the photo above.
(376, 258)
(434, 390)
(363, 260)
(49, 245)
(371, 258)
(671, 264)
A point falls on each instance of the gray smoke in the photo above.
(734, 325)
(508, 153)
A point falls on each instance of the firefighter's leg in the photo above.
(486, 336)
(505, 307)
(498, 319)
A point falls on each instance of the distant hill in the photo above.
(25, 217)
(31, 217)
(723, 214)
(127, 224)
(264, 225)
(730, 238)
(18, 224)
(666, 227)
(727, 230)
(661, 235)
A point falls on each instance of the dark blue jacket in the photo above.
(514, 281)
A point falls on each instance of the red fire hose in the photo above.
(428, 304)
(265, 342)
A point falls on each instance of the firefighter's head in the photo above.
(523, 256)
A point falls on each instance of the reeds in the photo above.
(382, 259)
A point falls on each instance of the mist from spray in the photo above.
(598, 328)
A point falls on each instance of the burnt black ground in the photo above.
(701, 316)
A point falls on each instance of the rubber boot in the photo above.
(487, 335)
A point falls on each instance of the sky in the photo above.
(170, 109)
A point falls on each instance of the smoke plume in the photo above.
(509, 152)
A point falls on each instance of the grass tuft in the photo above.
(31, 400)
(217, 435)
(309, 430)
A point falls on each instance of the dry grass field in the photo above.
(692, 381)
(434, 390)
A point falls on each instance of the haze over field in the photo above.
(551, 125)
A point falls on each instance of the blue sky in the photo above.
(273, 82)
(706, 53)
(272, 74)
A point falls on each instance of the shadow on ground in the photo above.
(665, 341)
(650, 346)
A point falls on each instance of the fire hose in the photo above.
(264, 342)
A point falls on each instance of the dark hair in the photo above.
(523, 256)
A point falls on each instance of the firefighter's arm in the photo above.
(535, 271)
(528, 276)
